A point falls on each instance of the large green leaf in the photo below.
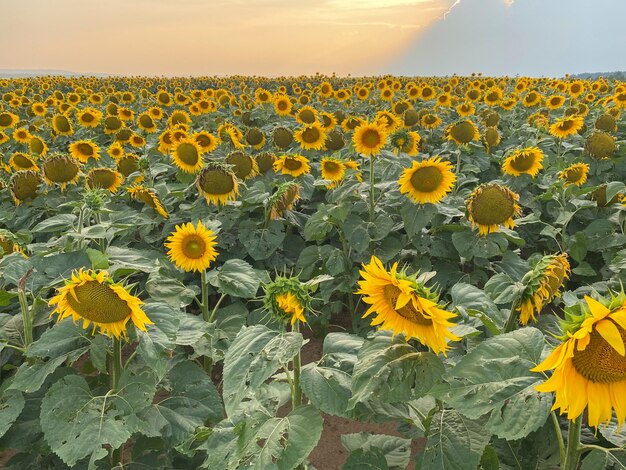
(474, 302)
(372, 459)
(63, 338)
(327, 388)
(494, 380)
(29, 378)
(235, 277)
(255, 354)
(397, 450)
(390, 370)
(11, 405)
(454, 443)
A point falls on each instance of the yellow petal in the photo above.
(611, 334)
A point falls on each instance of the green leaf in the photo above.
(502, 289)
(255, 354)
(397, 450)
(283, 443)
(466, 297)
(11, 405)
(454, 443)
(63, 338)
(391, 370)
(56, 223)
(77, 424)
(98, 259)
(29, 378)
(372, 459)
(164, 288)
(494, 380)
(237, 278)
(328, 389)
(614, 188)
(416, 218)
(613, 433)
(261, 243)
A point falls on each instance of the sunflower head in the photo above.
(335, 141)
(217, 183)
(283, 199)
(566, 126)
(589, 367)
(462, 132)
(243, 165)
(104, 178)
(491, 205)
(404, 305)
(427, 181)
(187, 155)
(543, 283)
(369, 139)
(265, 161)
(286, 299)
(491, 138)
(149, 197)
(311, 136)
(524, 161)
(606, 123)
(61, 169)
(294, 165)
(94, 297)
(333, 170)
(600, 145)
(575, 174)
(192, 248)
(24, 185)
(282, 137)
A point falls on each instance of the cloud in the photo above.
(529, 37)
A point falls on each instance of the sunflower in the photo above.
(333, 171)
(311, 136)
(306, 115)
(61, 169)
(491, 138)
(192, 248)
(404, 305)
(462, 132)
(466, 109)
(62, 125)
(555, 102)
(283, 199)
(95, 298)
(255, 138)
(265, 161)
(369, 139)
(8, 120)
(21, 135)
(104, 178)
(217, 184)
(187, 156)
(83, 150)
(21, 161)
(600, 145)
(491, 205)
(282, 105)
(36, 145)
(128, 164)
(430, 121)
(589, 366)
(24, 185)
(523, 161)
(294, 165)
(243, 165)
(206, 141)
(4, 138)
(427, 181)
(566, 126)
(116, 151)
(112, 124)
(606, 122)
(575, 174)
(149, 197)
(8, 244)
(286, 299)
(542, 286)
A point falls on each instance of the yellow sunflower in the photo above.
(430, 121)
(405, 306)
(21, 161)
(187, 155)
(462, 132)
(333, 171)
(575, 174)
(95, 298)
(282, 105)
(105, 178)
(311, 136)
(149, 197)
(83, 150)
(217, 184)
(542, 286)
(589, 366)
(369, 139)
(62, 125)
(491, 205)
(294, 165)
(89, 117)
(427, 181)
(192, 248)
(36, 145)
(566, 126)
(523, 161)
(21, 135)
(116, 151)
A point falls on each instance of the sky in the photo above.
(293, 37)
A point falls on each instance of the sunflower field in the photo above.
(170, 248)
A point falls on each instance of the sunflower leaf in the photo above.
(236, 278)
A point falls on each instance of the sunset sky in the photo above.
(280, 37)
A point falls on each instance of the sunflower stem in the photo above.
(205, 295)
(559, 435)
(296, 396)
(573, 445)
(27, 319)
(217, 305)
(116, 363)
(512, 320)
(372, 199)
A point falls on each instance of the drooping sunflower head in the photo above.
(62, 125)
(311, 136)
(283, 199)
(427, 181)
(491, 138)
(37, 146)
(404, 305)
(149, 197)
(369, 139)
(282, 137)
(255, 138)
(265, 161)
(491, 205)
(9, 244)
(606, 122)
(589, 366)
(187, 155)
(24, 185)
(523, 161)
(192, 248)
(286, 299)
(61, 169)
(566, 126)
(542, 284)
(95, 299)
(462, 132)
(83, 150)
(217, 183)
(294, 165)
(21, 161)
(306, 115)
(600, 145)
(105, 178)
(335, 140)
(575, 174)
(243, 165)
